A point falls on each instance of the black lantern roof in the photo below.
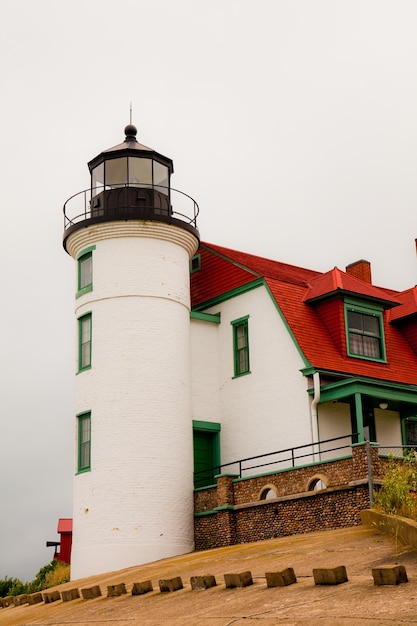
(130, 147)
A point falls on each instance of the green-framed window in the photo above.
(206, 445)
(195, 263)
(241, 345)
(84, 342)
(85, 271)
(409, 431)
(84, 442)
(364, 332)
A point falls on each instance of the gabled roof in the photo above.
(407, 307)
(220, 274)
(225, 269)
(337, 282)
(296, 291)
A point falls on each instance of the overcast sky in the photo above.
(291, 122)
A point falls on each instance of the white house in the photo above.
(294, 356)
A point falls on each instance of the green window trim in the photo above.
(84, 342)
(228, 295)
(84, 251)
(195, 263)
(212, 426)
(409, 430)
(241, 346)
(85, 271)
(84, 442)
(364, 332)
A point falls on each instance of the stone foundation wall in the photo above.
(234, 511)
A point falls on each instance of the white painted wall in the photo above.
(334, 421)
(205, 359)
(263, 411)
(388, 428)
(136, 503)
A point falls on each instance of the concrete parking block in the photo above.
(35, 598)
(170, 584)
(202, 582)
(389, 575)
(330, 575)
(281, 579)
(139, 589)
(91, 592)
(51, 596)
(244, 579)
(113, 591)
(70, 594)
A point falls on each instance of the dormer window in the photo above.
(364, 335)
(364, 329)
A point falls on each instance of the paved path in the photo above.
(357, 602)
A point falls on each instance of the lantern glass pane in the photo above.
(140, 172)
(160, 177)
(116, 173)
(97, 179)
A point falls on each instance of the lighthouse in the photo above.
(131, 237)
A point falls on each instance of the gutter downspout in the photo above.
(313, 411)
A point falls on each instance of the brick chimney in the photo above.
(360, 269)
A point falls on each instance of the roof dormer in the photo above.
(352, 310)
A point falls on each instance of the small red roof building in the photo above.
(65, 544)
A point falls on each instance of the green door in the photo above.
(204, 458)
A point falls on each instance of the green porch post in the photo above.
(359, 417)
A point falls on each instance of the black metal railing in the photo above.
(157, 200)
(310, 453)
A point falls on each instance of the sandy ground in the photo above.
(356, 602)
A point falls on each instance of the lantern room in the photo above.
(129, 181)
(129, 177)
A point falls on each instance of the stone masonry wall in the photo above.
(234, 513)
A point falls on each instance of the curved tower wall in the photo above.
(136, 503)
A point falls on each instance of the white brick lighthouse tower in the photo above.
(133, 485)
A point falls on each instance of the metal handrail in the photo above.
(87, 195)
(315, 448)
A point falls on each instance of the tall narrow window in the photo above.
(84, 342)
(364, 330)
(241, 346)
(410, 431)
(85, 271)
(84, 442)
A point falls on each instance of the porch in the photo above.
(298, 497)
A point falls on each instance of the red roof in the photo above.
(408, 306)
(337, 281)
(296, 291)
(225, 269)
(64, 525)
